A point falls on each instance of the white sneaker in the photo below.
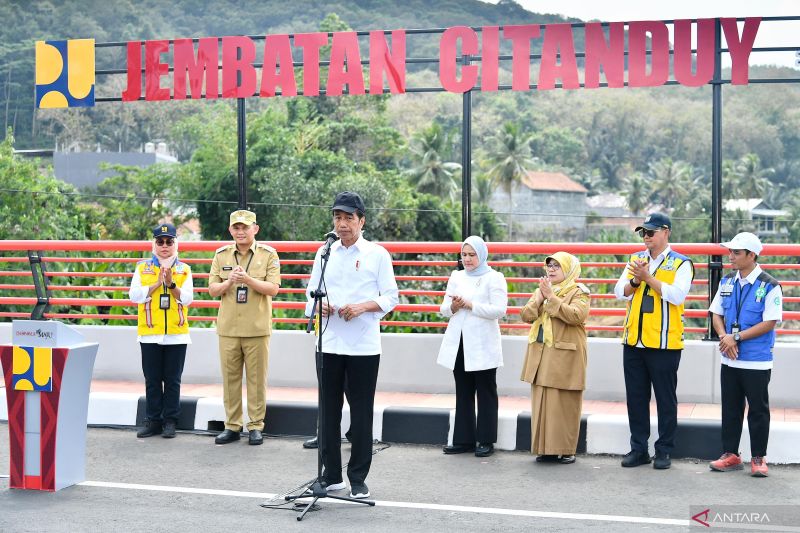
(337, 486)
(359, 491)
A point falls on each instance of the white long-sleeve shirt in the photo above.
(357, 274)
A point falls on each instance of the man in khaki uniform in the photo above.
(245, 275)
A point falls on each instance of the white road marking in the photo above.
(404, 505)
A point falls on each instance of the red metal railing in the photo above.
(412, 285)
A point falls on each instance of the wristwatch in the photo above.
(635, 285)
(737, 337)
(171, 285)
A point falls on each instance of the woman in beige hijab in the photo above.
(555, 363)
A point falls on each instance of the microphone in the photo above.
(330, 238)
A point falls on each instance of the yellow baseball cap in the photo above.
(242, 216)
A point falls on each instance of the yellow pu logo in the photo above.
(32, 369)
(65, 73)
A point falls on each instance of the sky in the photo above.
(779, 33)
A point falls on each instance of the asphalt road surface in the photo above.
(191, 484)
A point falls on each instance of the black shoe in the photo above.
(255, 437)
(169, 429)
(566, 459)
(661, 461)
(311, 444)
(546, 458)
(458, 448)
(634, 458)
(227, 436)
(359, 490)
(150, 428)
(484, 450)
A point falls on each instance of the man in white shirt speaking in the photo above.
(361, 289)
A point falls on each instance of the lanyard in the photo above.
(741, 298)
(236, 257)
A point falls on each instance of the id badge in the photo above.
(241, 295)
(735, 328)
(163, 302)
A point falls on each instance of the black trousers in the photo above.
(468, 429)
(645, 368)
(738, 385)
(162, 365)
(361, 374)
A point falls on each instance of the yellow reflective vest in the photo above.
(152, 319)
(656, 322)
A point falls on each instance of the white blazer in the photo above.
(479, 327)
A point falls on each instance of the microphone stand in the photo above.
(317, 490)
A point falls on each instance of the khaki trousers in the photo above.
(252, 354)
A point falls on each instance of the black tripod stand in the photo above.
(317, 490)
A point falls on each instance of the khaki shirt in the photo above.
(254, 318)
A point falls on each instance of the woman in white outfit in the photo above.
(476, 298)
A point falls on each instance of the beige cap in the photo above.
(242, 216)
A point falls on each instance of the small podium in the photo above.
(47, 372)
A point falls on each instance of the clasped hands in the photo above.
(164, 279)
(346, 312)
(728, 346)
(239, 275)
(639, 269)
(459, 302)
(545, 289)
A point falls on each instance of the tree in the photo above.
(132, 202)
(36, 205)
(670, 182)
(636, 192)
(483, 188)
(431, 174)
(509, 159)
(750, 180)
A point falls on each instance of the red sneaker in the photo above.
(758, 467)
(728, 461)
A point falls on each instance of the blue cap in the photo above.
(655, 221)
(165, 229)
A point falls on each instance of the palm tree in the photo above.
(671, 182)
(751, 180)
(483, 188)
(636, 192)
(432, 175)
(509, 159)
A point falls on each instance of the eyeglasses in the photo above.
(648, 232)
(165, 242)
(552, 265)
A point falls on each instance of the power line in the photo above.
(327, 207)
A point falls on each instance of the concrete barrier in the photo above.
(409, 364)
